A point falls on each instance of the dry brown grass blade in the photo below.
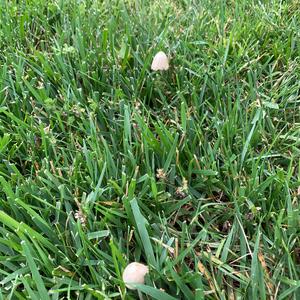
(206, 274)
(269, 283)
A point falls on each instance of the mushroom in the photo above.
(160, 62)
(134, 273)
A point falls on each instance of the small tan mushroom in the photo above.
(134, 273)
(160, 62)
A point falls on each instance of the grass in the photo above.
(194, 171)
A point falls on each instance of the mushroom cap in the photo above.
(134, 273)
(160, 62)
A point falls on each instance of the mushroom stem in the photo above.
(140, 295)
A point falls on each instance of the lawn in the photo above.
(193, 171)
